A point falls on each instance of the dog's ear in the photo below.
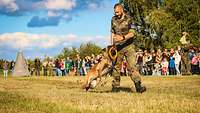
(104, 50)
(99, 59)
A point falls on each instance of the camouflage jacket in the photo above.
(122, 26)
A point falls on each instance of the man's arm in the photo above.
(129, 35)
(118, 38)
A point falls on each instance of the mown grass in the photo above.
(65, 95)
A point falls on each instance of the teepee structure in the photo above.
(20, 68)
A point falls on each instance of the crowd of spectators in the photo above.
(174, 61)
(64, 67)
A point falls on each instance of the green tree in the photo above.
(88, 49)
(167, 19)
(85, 49)
(68, 52)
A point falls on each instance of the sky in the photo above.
(45, 27)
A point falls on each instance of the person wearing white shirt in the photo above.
(177, 57)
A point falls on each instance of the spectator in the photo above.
(84, 71)
(123, 70)
(199, 63)
(87, 63)
(57, 68)
(45, 68)
(149, 64)
(12, 64)
(37, 67)
(190, 56)
(165, 54)
(68, 65)
(157, 66)
(194, 64)
(139, 60)
(145, 60)
(172, 65)
(51, 67)
(62, 66)
(78, 65)
(177, 61)
(5, 69)
(164, 66)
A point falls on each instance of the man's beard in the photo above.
(119, 16)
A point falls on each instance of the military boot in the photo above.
(143, 89)
(139, 88)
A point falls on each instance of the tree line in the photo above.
(162, 22)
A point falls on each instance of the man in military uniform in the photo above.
(122, 29)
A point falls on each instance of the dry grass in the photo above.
(65, 95)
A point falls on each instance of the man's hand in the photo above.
(118, 38)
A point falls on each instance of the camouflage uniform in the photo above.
(122, 27)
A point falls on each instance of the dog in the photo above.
(93, 77)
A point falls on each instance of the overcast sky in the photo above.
(45, 27)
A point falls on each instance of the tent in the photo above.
(20, 68)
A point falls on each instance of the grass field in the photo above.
(65, 95)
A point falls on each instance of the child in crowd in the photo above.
(164, 66)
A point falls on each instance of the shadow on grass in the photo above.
(116, 90)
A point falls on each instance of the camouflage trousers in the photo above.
(131, 67)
